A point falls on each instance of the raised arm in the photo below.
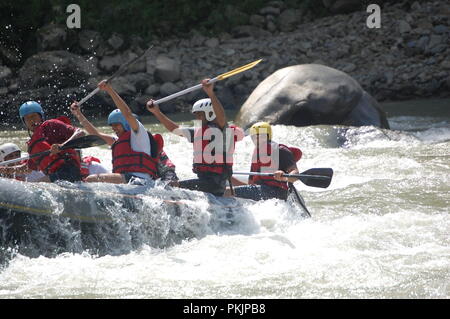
(220, 119)
(88, 126)
(170, 125)
(121, 105)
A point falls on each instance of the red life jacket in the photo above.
(165, 165)
(165, 160)
(124, 159)
(206, 160)
(49, 164)
(265, 162)
(64, 119)
(85, 163)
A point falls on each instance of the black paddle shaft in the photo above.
(81, 142)
(84, 142)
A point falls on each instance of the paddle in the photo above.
(81, 142)
(314, 177)
(292, 189)
(217, 78)
(120, 70)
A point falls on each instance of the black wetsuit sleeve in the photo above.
(286, 160)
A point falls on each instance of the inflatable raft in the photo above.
(50, 218)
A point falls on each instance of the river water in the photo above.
(381, 230)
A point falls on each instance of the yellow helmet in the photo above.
(261, 128)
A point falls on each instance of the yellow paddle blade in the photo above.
(238, 70)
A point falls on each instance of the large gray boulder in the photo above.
(311, 94)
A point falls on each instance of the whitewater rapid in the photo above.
(381, 230)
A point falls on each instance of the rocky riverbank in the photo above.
(407, 58)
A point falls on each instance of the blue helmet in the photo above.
(117, 117)
(30, 107)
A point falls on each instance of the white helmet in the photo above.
(205, 105)
(7, 149)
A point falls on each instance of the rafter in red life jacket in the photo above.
(265, 162)
(125, 159)
(214, 163)
(49, 164)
